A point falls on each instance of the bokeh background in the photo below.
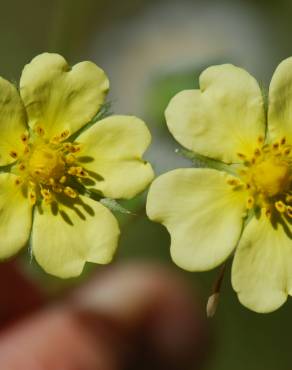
(151, 49)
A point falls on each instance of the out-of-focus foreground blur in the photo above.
(151, 49)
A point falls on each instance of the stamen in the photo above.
(80, 172)
(57, 188)
(72, 171)
(241, 156)
(47, 195)
(70, 192)
(76, 148)
(24, 138)
(13, 154)
(268, 212)
(63, 180)
(21, 167)
(283, 140)
(261, 139)
(70, 158)
(17, 181)
(266, 148)
(39, 130)
(275, 146)
(257, 152)
(67, 146)
(55, 139)
(32, 197)
(65, 134)
(287, 151)
(280, 206)
(289, 211)
(26, 150)
(250, 202)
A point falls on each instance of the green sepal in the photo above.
(200, 161)
(113, 205)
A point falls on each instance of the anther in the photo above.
(268, 212)
(241, 156)
(283, 141)
(280, 206)
(39, 130)
(76, 148)
(260, 139)
(24, 138)
(72, 171)
(70, 192)
(231, 181)
(55, 139)
(266, 148)
(67, 146)
(65, 134)
(13, 154)
(45, 192)
(32, 197)
(250, 202)
(70, 158)
(26, 150)
(57, 188)
(21, 167)
(289, 211)
(276, 146)
(17, 181)
(63, 180)
(287, 151)
(257, 152)
(47, 195)
(82, 173)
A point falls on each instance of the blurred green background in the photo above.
(151, 49)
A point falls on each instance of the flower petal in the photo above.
(202, 214)
(64, 239)
(225, 117)
(115, 146)
(262, 267)
(12, 122)
(59, 98)
(280, 102)
(15, 216)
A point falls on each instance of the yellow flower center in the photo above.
(267, 176)
(46, 163)
(47, 168)
(271, 176)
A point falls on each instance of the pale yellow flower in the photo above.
(50, 166)
(247, 208)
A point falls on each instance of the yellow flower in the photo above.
(208, 212)
(49, 165)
